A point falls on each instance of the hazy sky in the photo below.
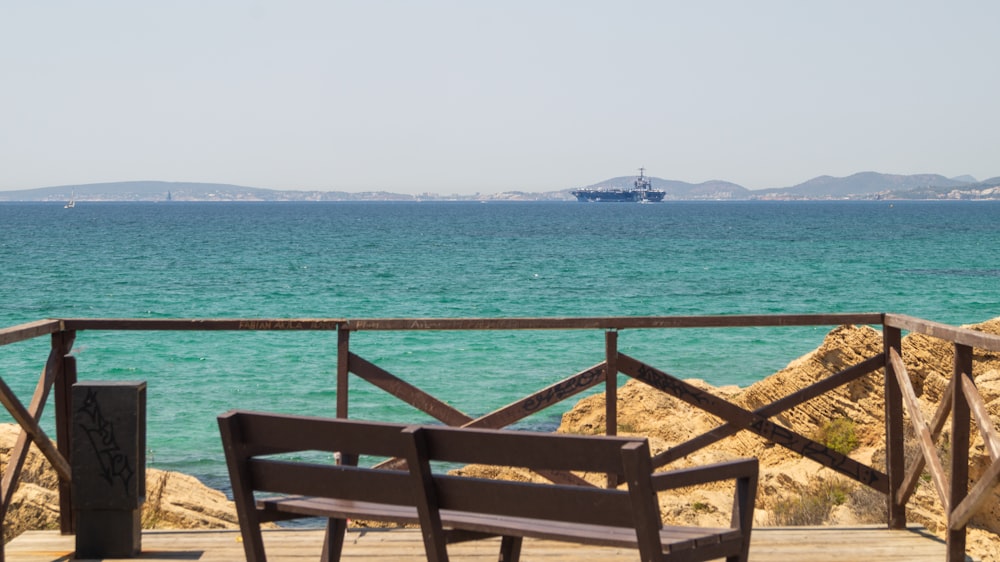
(489, 96)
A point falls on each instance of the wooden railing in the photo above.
(962, 401)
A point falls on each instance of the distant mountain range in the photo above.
(863, 185)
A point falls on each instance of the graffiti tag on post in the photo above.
(113, 462)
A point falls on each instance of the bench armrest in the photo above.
(729, 470)
(744, 472)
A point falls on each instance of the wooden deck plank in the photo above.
(769, 544)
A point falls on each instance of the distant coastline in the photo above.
(861, 186)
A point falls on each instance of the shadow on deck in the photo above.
(769, 544)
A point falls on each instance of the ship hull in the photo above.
(617, 196)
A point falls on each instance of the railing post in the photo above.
(64, 424)
(611, 382)
(343, 369)
(343, 376)
(611, 391)
(894, 451)
(960, 419)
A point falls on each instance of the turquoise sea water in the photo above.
(935, 260)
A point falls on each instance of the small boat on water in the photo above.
(72, 201)
(641, 192)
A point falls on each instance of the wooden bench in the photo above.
(266, 455)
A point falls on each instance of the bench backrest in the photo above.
(250, 438)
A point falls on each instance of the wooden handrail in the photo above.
(469, 324)
(23, 332)
(961, 336)
(203, 324)
(612, 323)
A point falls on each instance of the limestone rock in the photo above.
(179, 501)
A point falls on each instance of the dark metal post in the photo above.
(109, 467)
(960, 419)
(894, 457)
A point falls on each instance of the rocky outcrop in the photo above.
(180, 501)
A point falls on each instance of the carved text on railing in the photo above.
(565, 389)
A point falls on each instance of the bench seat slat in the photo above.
(674, 538)
(340, 509)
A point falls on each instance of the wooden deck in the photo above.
(770, 544)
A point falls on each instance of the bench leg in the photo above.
(510, 549)
(253, 542)
(333, 540)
